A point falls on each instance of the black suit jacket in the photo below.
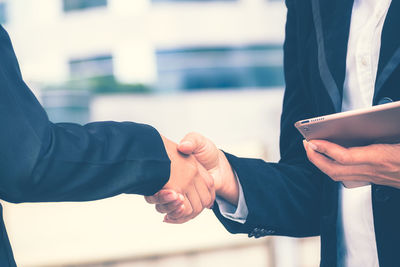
(292, 197)
(41, 161)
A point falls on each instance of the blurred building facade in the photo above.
(169, 44)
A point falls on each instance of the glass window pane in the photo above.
(220, 67)
(158, 1)
(71, 5)
(3, 12)
(91, 67)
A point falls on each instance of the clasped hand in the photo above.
(198, 171)
(189, 190)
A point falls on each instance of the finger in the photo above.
(369, 154)
(355, 178)
(162, 197)
(195, 202)
(186, 211)
(192, 143)
(199, 197)
(348, 156)
(338, 153)
(207, 177)
(326, 165)
(167, 219)
(205, 190)
(178, 213)
(170, 207)
(339, 172)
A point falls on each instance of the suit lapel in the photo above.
(332, 26)
(389, 58)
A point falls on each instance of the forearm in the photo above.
(279, 195)
(98, 160)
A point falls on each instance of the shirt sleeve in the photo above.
(231, 212)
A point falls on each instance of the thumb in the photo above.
(186, 147)
(202, 148)
(192, 143)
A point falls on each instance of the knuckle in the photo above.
(335, 178)
(372, 172)
(147, 199)
(204, 203)
(310, 157)
(160, 209)
(209, 182)
(171, 206)
(333, 174)
(188, 212)
(196, 212)
(174, 215)
(209, 201)
(343, 158)
(391, 168)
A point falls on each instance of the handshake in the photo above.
(199, 172)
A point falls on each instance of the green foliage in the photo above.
(102, 85)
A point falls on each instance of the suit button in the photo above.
(380, 194)
(385, 100)
(270, 232)
(254, 233)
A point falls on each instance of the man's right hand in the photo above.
(216, 164)
(189, 190)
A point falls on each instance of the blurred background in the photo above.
(212, 66)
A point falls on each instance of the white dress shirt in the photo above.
(356, 233)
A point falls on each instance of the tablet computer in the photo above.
(377, 124)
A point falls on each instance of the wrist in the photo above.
(227, 187)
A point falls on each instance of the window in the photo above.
(159, 1)
(98, 66)
(219, 68)
(3, 12)
(74, 5)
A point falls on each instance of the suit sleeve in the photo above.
(282, 198)
(41, 161)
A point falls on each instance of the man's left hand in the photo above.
(377, 163)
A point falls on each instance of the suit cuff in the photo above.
(238, 214)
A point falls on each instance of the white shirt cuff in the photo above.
(238, 214)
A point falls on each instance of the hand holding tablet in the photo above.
(349, 153)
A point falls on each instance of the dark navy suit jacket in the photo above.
(41, 161)
(292, 197)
